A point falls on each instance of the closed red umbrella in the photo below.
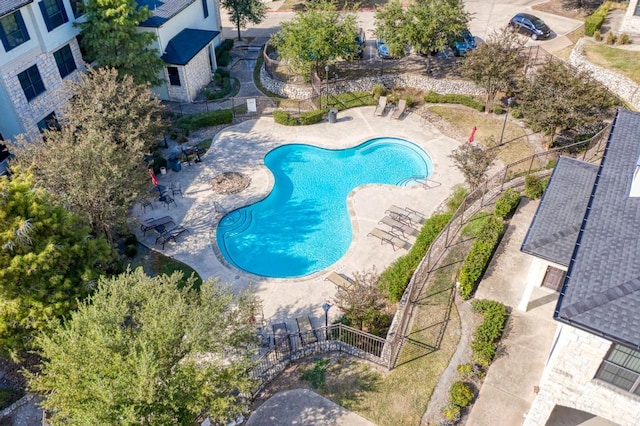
(154, 179)
(473, 132)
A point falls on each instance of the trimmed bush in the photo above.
(460, 394)
(284, 117)
(624, 39)
(516, 113)
(451, 413)
(498, 109)
(394, 280)
(533, 187)
(311, 117)
(507, 203)
(489, 332)
(211, 118)
(596, 19)
(450, 98)
(465, 371)
(597, 35)
(223, 56)
(378, 90)
(610, 38)
(479, 256)
(455, 200)
(224, 59)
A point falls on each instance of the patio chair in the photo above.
(396, 225)
(166, 235)
(405, 215)
(389, 238)
(307, 334)
(176, 188)
(167, 200)
(402, 105)
(339, 280)
(382, 104)
(152, 223)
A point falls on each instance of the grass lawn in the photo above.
(489, 126)
(622, 61)
(155, 263)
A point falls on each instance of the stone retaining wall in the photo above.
(618, 84)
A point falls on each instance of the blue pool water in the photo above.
(303, 225)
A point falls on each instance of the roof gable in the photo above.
(162, 10)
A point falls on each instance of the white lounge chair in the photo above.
(402, 105)
(394, 224)
(406, 214)
(339, 280)
(387, 237)
(382, 104)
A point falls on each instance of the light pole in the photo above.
(509, 102)
(326, 85)
(325, 308)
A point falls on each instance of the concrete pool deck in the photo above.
(242, 147)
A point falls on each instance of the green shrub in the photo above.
(460, 394)
(311, 117)
(456, 199)
(551, 164)
(533, 187)
(451, 98)
(507, 203)
(208, 94)
(597, 35)
(394, 280)
(515, 113)
(479, 256)
(488, 333)
(610, 38)
(474, 226)
(131, 250)
(498, 109)
(378, 90)
(284, 117)
(451, 413)
(223, 73)
(465, 371)
(224, 59)
(211, 118)
(596, 19)
(317, 374)
(158, 161)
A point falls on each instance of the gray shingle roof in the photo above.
(162, 10)
(186, 44)
(554, 229)
(8, 6)
(601, 292)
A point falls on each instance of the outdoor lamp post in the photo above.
(325, 308)
(509, 102)
(326, 85)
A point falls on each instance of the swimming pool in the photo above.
(303, 225)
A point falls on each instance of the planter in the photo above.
(163, 170)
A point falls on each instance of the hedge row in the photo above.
(507, 203)
(394, 279)
(596, 19)
(223, 55)
(205, 119)
(488, 333)
(308, 117)
(451, 98)
(479, 256)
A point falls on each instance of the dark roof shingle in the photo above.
(8, 6)
(162, 10)
(186, 44)
(601, 292)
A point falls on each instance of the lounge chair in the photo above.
(405, 215)
(176, 188)
(167, 200)
(165, 235)
(281, 334)
(152, 223)
(402, 105)
(382, 104)
(307, 335)
(339, 280)
(387, 237)
(396, 225)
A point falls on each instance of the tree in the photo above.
(496, 65)
(111, 38)
(147, 351)
(316, 37)
(94, 163)
(426, 25)
(473, 162)
(242, 12)
(559, 98)
(362, 302)
(48, 261)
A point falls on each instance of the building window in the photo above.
(205, 8)
(621, 368)
(53, 13)
(13, 32)
(64, 59)
(76, 7)
(50, 122)
(31, 82)
(174, 77)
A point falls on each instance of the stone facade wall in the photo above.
(624, 87)
(631, 22)
(194, 76)
(51, 99)
(366, 85)
(568, 380)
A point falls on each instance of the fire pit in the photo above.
(230, 183)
